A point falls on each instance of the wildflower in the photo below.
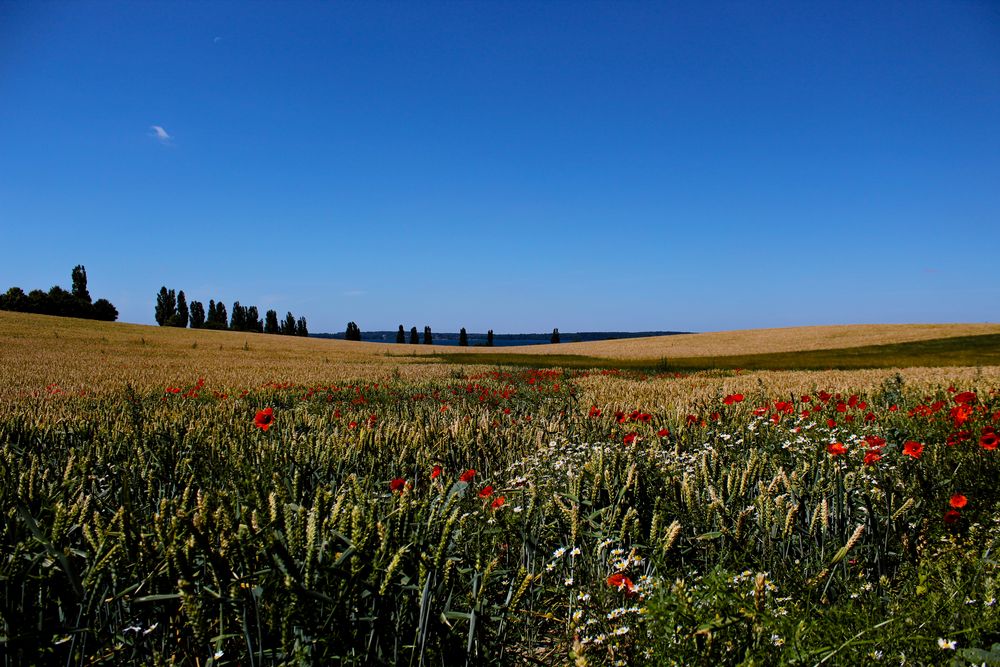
(621, 582)
(946, 645)
(498, 502)
(663, 433)
(871, 456)
(630, 438)
(486, 492)
(965, 398)
(264, 419)
(558, 553)
(436, 472)
(989, 439)
(913, 448)
(951, 516)
(732, 398)
(958, 501)
(836, 449)
(467, 476)
(575, 551)
(397, 484)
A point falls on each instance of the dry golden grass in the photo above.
(675, 396)
(747, 341)
(36, 350)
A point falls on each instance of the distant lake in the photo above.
(503, 340)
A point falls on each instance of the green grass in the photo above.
(981, 350)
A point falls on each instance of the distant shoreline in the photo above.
(504, 340)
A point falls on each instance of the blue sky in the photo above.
(515, 166)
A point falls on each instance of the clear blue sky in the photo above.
(514, 166)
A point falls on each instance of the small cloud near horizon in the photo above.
(160, 134)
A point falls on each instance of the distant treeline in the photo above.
(57, 301)
(173, 310)
(489, 339)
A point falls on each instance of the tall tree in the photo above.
(414, 338)
(555, 336)
(353, 332)
(197, 316)
(252, 320)
(238, 321)
(212, 315)
(271, 322)
(163, 311)
(180, 318)
(489, 338)
(300, 327)
(221, 316)
(400, 335)
(428, 336)
(288, 326)
(80, 283)
(463, 338)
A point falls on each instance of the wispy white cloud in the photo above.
(160, 134)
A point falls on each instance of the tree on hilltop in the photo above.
(489, 338)
(180, 317)
(105, 311)
(300, 327)
(463, 338)
(400, 335)
(166, 306)
(271, 322)
(288, 326)
(555, 336)
(428, 337)
(80, 283)
(414, 338)
(197, 315)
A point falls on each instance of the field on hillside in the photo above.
(215, 498)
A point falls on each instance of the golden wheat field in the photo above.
(217, 498)
(753, 341)
(38, 350)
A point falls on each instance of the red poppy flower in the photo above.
(871, 456)
(831, 423)
(467, 476)
(913, 448)
(621, 582)
(732, 398)
(486, 492)
(397, 484)
(958, 501)
(836, 448)
(965, 398)
(874, 441)
(498, 502)
(663, 433)
(594, 411)
(951, 516)
(630, 438)
(264, 419)
(436, 472)
(989, 439)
